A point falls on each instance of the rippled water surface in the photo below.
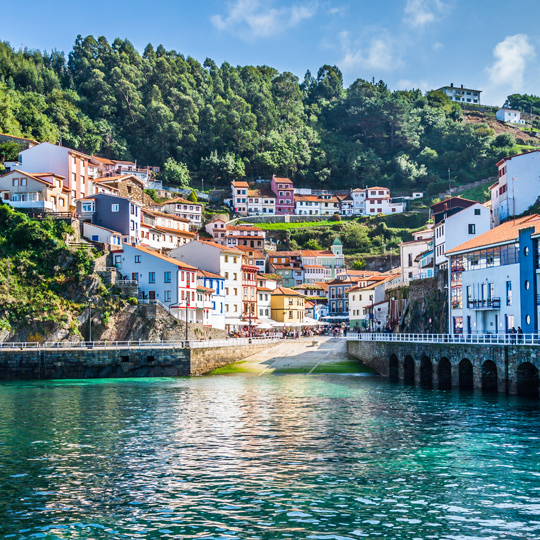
(318, 457)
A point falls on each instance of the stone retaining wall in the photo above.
(99, 363)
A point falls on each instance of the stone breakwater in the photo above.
(120, 362)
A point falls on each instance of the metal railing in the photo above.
(134, 345)
(490, 303)
(473, 339)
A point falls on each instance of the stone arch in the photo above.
(444, 370)
(393, 368)
(426, 372)
(466, 378)
(489, 376)
(527, 380)
(408, 370)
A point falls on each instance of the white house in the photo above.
(66, 162)
(221, 260)
(487, 282)
(240, 197)
(456, 227)
(182, 208)
(462, 95)
(95, 233)
(359, 201)
(378, 201)
(509, 115)
(170, 281)
(518, 186)
(410, 252)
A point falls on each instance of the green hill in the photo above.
(225, 122)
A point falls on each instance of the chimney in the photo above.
(461, 86)
(451, 85)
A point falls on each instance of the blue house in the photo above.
(112, 212)
(217, 284)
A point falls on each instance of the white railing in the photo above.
(134, 345)
(474, 339)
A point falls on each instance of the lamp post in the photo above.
(187, 306)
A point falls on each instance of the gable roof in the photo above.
(451, 202)
(207, 274)
(149, 251)
(220, 247)
(503, 234)
(284, 291)
(119, 178)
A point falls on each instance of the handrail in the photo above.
(461, 339)
(163, 344)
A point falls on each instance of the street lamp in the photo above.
(187, 306)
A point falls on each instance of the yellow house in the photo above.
(41, 191)
(287, 306)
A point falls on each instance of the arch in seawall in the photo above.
(444, 370)
(393, 368)
(528, 380)
(408, 370)
(489, 376)
(466, 378)
(426, 372)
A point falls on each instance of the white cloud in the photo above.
(511, 57)
(420, 13)
(407, 84)
(379, 54)
(255, 18)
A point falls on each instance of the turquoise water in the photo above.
(241, 457)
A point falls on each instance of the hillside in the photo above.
(227, 122)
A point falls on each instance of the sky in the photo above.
(488, 45)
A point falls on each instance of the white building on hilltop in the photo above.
(462, 95)
(509, 115)
(518, 186)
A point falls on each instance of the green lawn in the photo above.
(288, 226)
(478, 193)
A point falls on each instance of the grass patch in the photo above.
(478, 193)
(300, 225)
(345, 366)
(237, 367)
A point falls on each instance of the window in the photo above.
(477, 211)
(15, 182)
(23, 181)
(226, 260)
(167, 296)
(137, 258)
(508, 293)
(115, 207)
(151, 277)
(87, 206)
(167, 277)
(472, 228)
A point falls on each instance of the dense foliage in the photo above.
(37, 269)
(524, 102)
(225, 122)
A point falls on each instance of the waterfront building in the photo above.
(517, 187)
(287, 306)
(359, 298)
(70, 164)
(249, 293)
(160, 278)
(112, 212)
(38, 191)
(493, 285)
(411, 253)
(456, 226)
(216, 284)
(222, 260)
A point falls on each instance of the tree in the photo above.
(175, 174)
(9, 151)
(313, 244)
(193, 196)
(359, 264)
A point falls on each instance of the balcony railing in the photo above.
(489, 303)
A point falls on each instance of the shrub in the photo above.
(133, 301)
(335, 217)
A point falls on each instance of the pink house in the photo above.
(284, 190)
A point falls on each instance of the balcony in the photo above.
(490, 303)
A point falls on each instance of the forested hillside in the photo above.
(227, 122)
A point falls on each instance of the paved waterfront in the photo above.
(319, 457)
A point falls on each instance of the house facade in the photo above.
(287, 306)
(239, 190)
(509, 115)
(182, 208)
(216, 284)
(39, 191)
(461, 94)
(284, 191)
(517, 187)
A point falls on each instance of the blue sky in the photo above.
(485, 44)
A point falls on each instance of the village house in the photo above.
(182, 208)
(164, 231)
(112, 240)
(112, 212)
(37, 191)
(216, 283)
(410, 252)
(461, 95)
(65, 162)
(240, 197)
(284, 191)
(287, 306)
(128, 186)
(161, 278)
(221, 260)
(509, 115)
(517, 187)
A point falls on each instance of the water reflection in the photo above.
(330, 457)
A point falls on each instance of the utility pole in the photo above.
(449, 188)
(513, 198)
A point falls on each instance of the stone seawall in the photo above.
(512, 369)
(123, 362)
